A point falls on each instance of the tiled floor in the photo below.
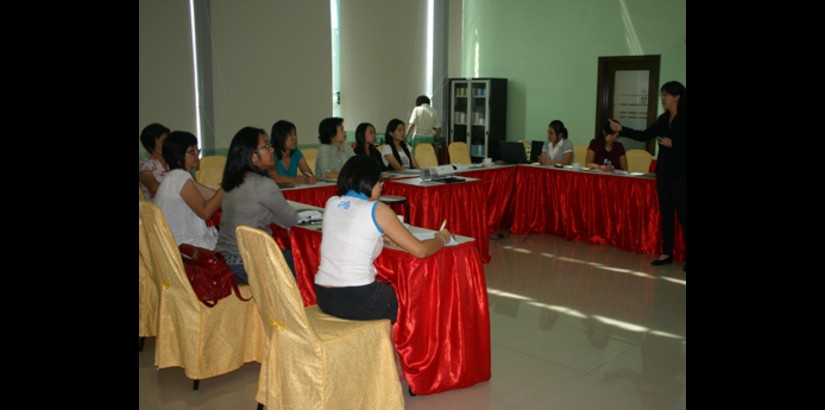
(573, 326)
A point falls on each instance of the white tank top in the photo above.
(351, 240)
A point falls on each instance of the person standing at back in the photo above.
(424, 120)
(669, 130)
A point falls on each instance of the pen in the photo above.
(443, 224)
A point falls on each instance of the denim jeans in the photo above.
(240, 271)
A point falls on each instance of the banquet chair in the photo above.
(147, 292)
(210, 172)
(580, 154)
(310, 154)
(638, 160)
(205, 342)
(314, 360)
(459, 153)
(425, 155)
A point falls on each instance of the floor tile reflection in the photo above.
(572, 326)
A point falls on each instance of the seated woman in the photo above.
(558, 149)
(605, 153)
(151, 170)
(288, 157)
(354, 227)
(365, 142)
(186, 204)
(333, 152)
(252, 198)
(396, 152)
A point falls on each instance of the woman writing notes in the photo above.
(671, 165)
(355, 224)
(605, 153)
(288, 158)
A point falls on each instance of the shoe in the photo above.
(659, 262)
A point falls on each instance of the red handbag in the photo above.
(209, 274)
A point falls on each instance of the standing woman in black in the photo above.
(669, 130)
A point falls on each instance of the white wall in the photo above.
(383, 57)
(271, 60)
(165, 71)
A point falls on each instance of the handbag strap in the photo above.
(238, 292)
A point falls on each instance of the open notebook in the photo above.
(430, 235)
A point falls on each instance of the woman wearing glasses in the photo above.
(186, 204)
(252, 198)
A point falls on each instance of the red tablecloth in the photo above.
(443, 330)
(590, 206)
(463, 204)
(498, 182)
(315, 196)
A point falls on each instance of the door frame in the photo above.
(604, 88)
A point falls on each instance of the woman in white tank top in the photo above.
(353, 237)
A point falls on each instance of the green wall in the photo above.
(549, 51)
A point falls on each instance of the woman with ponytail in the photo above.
(558, 149)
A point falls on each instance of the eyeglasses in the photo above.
(267, 145)
(193, 151)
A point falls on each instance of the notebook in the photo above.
(423, 236)
(512, 152)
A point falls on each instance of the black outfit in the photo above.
(369, 302)
(671, 169)
(374, 153)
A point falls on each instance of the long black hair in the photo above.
(175, 146)
(239, 160)
(280, 130)
(361, 139)
(391, 126)
(359, 174)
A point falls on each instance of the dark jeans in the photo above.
(240, 271)
(369, 302)
(672, 199)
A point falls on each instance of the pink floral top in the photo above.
(158, 170)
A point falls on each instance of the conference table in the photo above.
(498, 182)
(442, 333)
(462, 204)
(604, 208)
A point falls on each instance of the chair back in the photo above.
(273, 288)
(580, 154)
(459, 153)
(638, 160)
(147, 288)
(310, 154)
(425, 156)
(163, 255)
(210, 172)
